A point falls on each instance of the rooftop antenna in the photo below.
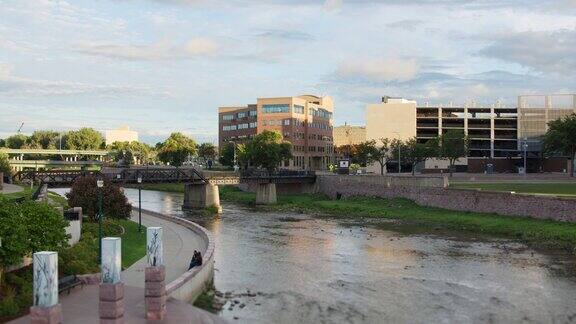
(20, 128)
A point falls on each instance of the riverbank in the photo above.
(546, 232)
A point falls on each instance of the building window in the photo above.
(253, 113)
(243, 126)
(299, 109)
(241, 114)
(228, 117)
(253, 125)
(272, 109)
(286, 122)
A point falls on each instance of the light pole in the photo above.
(139, 202)
(399, 149)
(234, 149)
(100, 185)
(525, 146)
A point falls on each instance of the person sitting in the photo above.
(194, 261)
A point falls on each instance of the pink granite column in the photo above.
(111, 303)
(155, 287)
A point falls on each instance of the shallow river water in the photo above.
(304, 269)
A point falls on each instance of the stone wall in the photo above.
(544, 207)
(192, 283)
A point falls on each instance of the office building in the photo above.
(122, 134)
(349, 135)
(306, 121)
(497, 134)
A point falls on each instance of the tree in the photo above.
(5, 164)
(16, 141)
(416, 152)
(176, 149)
(207, 151)
(83, 139)
(267, 149)
(131, 152)
(561, 138)
(364, 153)
(381, 153)
(2, 142)
(453, 145)
(84, 193)
(27, 228)
(227, 155)
(45, 139)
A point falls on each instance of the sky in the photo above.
(161, 66)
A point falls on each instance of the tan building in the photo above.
(306, 121)
(393, 118)
(122, 134)
(349, 135)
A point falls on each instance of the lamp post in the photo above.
(525, 147)
(399, 149)
(100, 185)
(139, 203)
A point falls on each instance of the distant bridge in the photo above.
(56, 178)
(69, 158)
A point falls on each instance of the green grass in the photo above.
(548, 232)
(26, 193)
(559, 189)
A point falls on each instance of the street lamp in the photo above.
(100, 185)
(139, 203)
(525, 146)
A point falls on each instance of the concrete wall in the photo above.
(192, 283)
(562, 209)
(283, 188)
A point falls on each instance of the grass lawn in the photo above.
(26, 193)
(548, 232)
(559, 188)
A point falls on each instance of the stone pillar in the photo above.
(200, 196)
(155, 275)
(111, 307)
(266, 194)
(46, 308)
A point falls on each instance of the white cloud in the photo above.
(388, 69)
(14, 86)
(332, 5)
(151, 52)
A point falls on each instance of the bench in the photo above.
(67, 283)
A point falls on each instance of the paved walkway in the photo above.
(81, 305)
(10, 188)
(179, 245)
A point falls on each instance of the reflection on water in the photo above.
(301, 269)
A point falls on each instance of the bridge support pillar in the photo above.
(200, 196)
(266, 194)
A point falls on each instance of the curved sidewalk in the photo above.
(179, 245)
(81, 305)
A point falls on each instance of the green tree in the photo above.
(16, 141)
(2, 142)
(560, 138)
(416, 152)
(176, 149)
(84, 193)
(381, 153)
(45, 139)
(227, 155)
(83, 139)
(5, 164)
(363, 153)
(207, 151)
(453, 145)
(130, 152)
(27, 228)
(267, 150)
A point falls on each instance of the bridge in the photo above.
(69, 158)
(200, 190)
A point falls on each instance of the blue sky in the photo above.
(166, 65)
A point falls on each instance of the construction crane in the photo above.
(20, 129)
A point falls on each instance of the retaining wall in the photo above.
(192, 283)
(563, 209)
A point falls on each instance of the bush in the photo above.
(5, 164)
(27, 228)
(84, 193)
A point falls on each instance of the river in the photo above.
(304, 269)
